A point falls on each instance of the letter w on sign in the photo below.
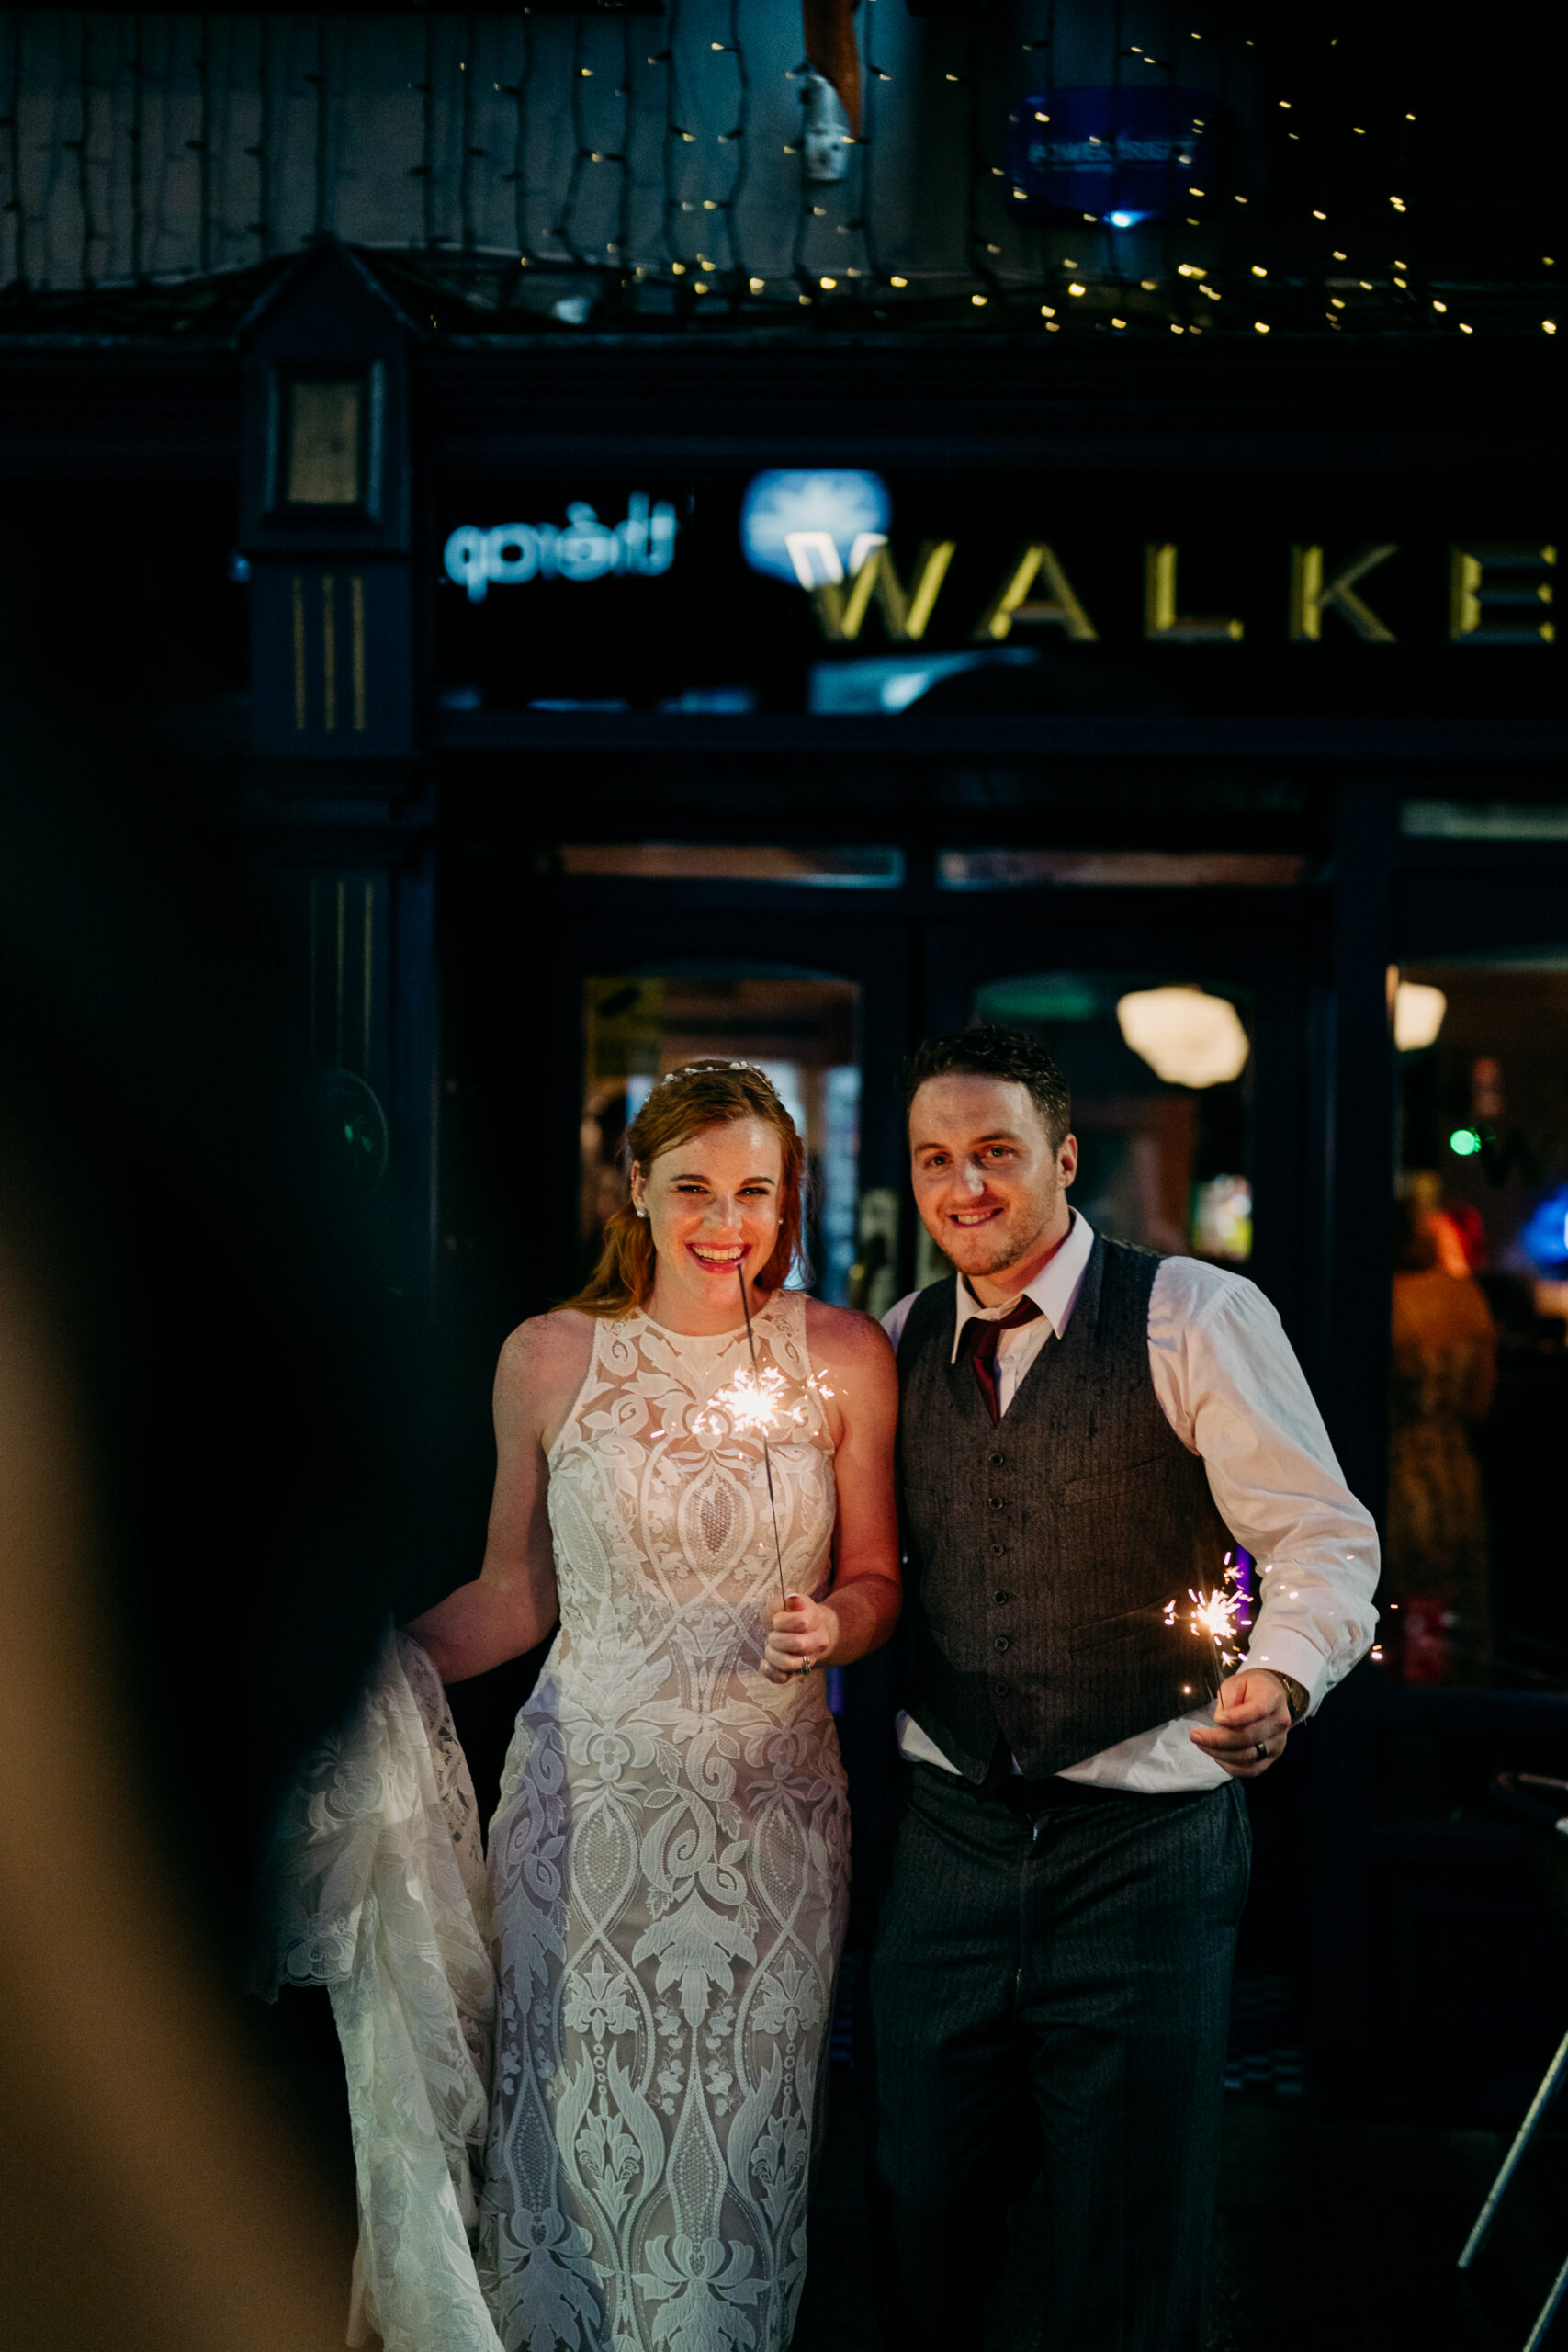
(841, 609)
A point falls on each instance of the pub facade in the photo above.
(669, 664)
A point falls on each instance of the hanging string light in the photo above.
(679, 190)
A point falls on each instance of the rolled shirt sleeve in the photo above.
(1229, 1384)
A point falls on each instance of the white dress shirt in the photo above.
(1229, 1384)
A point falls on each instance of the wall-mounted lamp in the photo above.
(1418, 1016)
(1187, 1037)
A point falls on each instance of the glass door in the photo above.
(1443, 1766)
(654, 956)
(803, 1032)
(1159, 1070)
(1478, 1407)
(1181, 1014)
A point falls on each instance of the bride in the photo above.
(668, 1861)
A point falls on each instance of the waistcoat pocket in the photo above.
(1114, 1482)
(1096, 1632)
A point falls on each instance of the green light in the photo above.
(1465, 1142)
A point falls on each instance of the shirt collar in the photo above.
(1054, 1289)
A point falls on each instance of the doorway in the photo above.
(801, 1029)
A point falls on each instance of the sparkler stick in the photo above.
(761, 1430)
(1216, 1614)
(753, 1406)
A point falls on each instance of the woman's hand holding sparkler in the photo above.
(801, 1635)
(1252, 1721)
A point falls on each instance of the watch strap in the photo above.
(1295, 1694)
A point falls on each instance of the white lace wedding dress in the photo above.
(669, 1870)
(667, 1886)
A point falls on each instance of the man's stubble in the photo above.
(1012, 1252)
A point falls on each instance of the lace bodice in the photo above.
(659, 1507)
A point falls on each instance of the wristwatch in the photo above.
(1296, 1693)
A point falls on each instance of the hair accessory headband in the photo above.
(700, 1069)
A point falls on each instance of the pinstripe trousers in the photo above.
(1047, 1999)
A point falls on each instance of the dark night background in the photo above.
(232, 940)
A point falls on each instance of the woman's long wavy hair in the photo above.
(708, 1094)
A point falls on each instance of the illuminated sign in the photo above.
(1119, 155)
(1497, 595)
(642, 546)
(813, 528)
(833, 589)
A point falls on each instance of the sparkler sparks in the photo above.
(1214, 1613)
(1222, 1616)
(753, 1404)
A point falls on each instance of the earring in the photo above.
(639, 1208)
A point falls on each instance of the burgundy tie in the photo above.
(984, 1358)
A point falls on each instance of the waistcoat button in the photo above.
(999, 1549)
(1004, 1641)
(1001, 1598)
(999, 1461)
(996, 1502)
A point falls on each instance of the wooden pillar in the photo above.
(336, 798)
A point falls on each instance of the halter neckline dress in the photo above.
(669, 1868)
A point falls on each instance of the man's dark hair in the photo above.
(995, 1052)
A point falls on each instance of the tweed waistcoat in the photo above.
(1044, 1550)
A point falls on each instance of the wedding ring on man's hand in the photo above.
(1261, 1751)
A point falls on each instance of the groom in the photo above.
(1085, 1433)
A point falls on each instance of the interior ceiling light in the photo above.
(1418, 1016)
(1187, 1037)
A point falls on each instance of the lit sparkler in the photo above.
(1221, 1616)
(754, 1405)
(759, 1391)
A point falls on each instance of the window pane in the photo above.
(1479, 1402)
(639, 1026)
(1484, 820)
(855, 869)
(324, 442)
(1023, 869)
(1160, 1072)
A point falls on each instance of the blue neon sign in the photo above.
(1121, 155)
(642, 546)
(813, 528)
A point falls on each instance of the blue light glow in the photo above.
(813, 528)
(642, 546)
(894, 680)
(1545, 1239)
(1119, 154)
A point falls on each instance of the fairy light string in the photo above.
(738, 277)
(1345, 215)
(872, 269)
(562, 229)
